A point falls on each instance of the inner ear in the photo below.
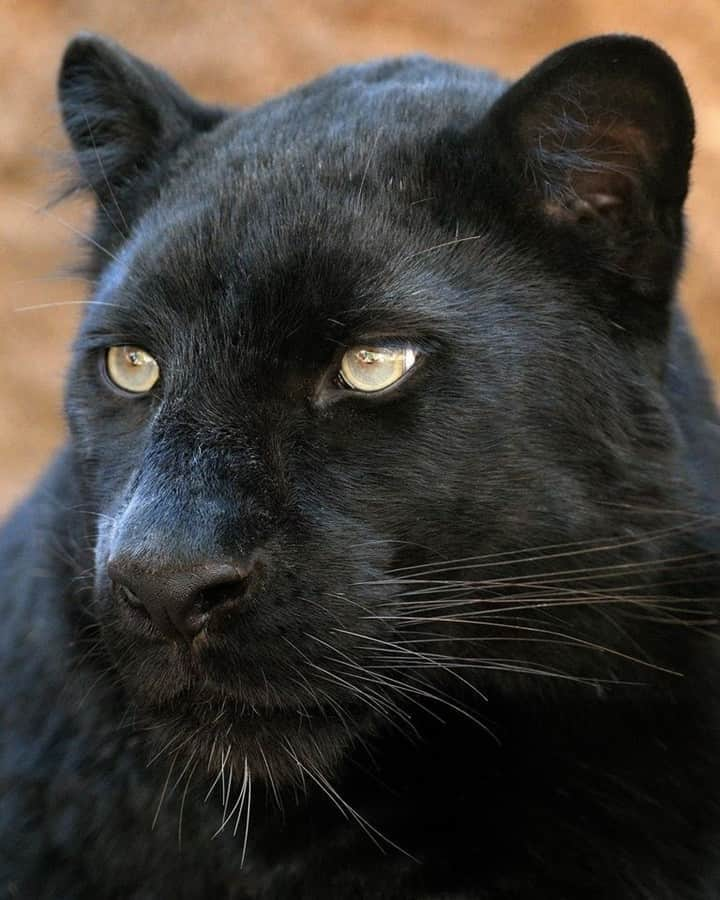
(600, 134)
(592, 170)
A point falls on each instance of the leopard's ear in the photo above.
(598, 139)
(122, 116)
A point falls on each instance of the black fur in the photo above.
(478, 657)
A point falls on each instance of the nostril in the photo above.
(123, 593)
(211, 596)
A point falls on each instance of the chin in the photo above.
(279, 746)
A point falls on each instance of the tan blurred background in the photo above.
(241, 52)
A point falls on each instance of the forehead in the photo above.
(308, 215)
(274, 257)
(309, 208)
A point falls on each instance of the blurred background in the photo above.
(241, 52)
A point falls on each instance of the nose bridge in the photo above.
(169, 516)
(187, 543)
(200, 492)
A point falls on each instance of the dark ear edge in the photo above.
(600, 134)
(121, 114)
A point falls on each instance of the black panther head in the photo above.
(348, 355)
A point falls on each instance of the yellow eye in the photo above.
(371, 369)
(131, 368)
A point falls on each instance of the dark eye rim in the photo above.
(102, 354)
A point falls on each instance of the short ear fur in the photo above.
(598, 138)
(121, 115)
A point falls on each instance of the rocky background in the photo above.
(241, 52)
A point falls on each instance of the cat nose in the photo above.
(180, 602)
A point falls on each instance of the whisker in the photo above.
(376, 702)
(101, 165)
(164, 791)
(86, 302)
(612, 570)
(248, 807)
(273, 786)
(576, 641)
(220, 777)
(76, 231)
(182, 803)
(454, 242)
(376, 836)
(377, 640)
(589, 545)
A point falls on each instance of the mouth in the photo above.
(279, 745)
